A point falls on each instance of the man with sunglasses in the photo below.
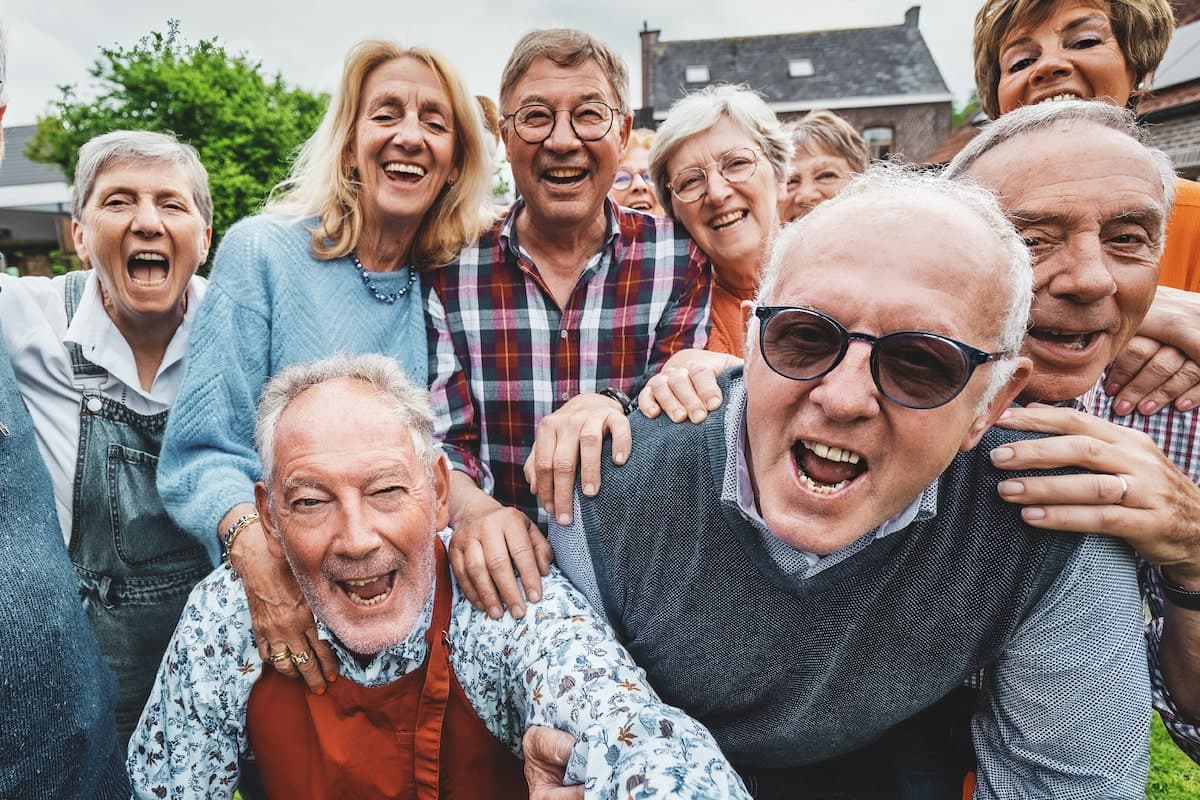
(568, 304)
(813, 568)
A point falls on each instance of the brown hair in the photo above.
(827, 131)
(565, 47)
(1143, 29)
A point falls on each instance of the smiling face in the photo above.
(144, 235)
(817, 175)
(1072, 53)
(404, 147)
(733, 223)
(913, 268)
(639, 194)
(564, 180)
(355, 512)
(1093, 218)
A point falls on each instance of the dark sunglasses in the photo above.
(913, 369)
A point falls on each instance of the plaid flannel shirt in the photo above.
(503, 354)
(1177, 433)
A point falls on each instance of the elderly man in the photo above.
(353, 494)
(57, 697)
(1096, 268)
(839, 497)
(567, 297)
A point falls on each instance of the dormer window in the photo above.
(799, 67)
(697, 73)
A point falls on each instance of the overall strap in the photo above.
(76, 282)
(432, 710)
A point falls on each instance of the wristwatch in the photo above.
(614, 393)
(1177, 595)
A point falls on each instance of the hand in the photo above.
(546, 753)
(1173, 319)
(686, 386)
(1133, 490)
(574, 436)
(1149, 374)
(280, 618)
(489, 540)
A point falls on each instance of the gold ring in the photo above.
(275, 658)
(301, 658)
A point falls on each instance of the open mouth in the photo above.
(407, 173)
(728, 220)
(565, 176)
(823, 469)
(1059, 97)
(368, 592)
(640, 205)
(1067, 340)
(148, 269)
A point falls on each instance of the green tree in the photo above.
(965, 111)
(245, 125)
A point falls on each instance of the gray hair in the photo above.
(1044, 116)
(138, 147)
(383, 374)
(897, 189)
(699, 111)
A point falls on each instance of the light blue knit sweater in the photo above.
(270, 304)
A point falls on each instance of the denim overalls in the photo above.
(135, 566)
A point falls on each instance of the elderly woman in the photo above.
(719, 163)
(394, 181)
(98, 357)
(1030, 51)
(633, 187)
(828, 153)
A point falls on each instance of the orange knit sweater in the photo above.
(728, 331)
(1180, 265)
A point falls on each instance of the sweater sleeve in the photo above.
(208, 462)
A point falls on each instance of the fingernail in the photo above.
(1149, 407)
(333, 678)
(620, 457)
(1112, 388)
(677, 417)
(1032, 513)
(1184, 405)
(713, 403)
(564, 519)
(589, 489)
(1122, 408)
(517, 611)
(1001, 454)
(319, 690)
(698, 415)
(535, 597)
(495, 613)
(1010, 488)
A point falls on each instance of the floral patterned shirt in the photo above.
(560, 666)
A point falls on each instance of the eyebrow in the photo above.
(1149, 218)
(583, 98)
(1069, 27)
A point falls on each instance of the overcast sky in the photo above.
(52, 42)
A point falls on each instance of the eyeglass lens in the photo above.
(624, 178)
(735, 166)
(913, 369)
(590, 120)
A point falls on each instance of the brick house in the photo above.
(883, 80)
(1172, 109)
(35, 207)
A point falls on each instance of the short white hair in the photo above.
(409, 402)
(699, 111)
(898, 189)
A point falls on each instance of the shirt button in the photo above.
(94, 405)
(563, 334)
(565, 396)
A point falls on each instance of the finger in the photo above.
(544, 554)
(1186, 379)
(685, 392)
(705, 383)
(520, 547)
(591, 453)
(1108, 519)
(1086, 489)
(544, 445)
(1087, 452)
(457, 563)
(664, 394)
(499, 558)
(1142, 388)
(283, 666)
(1062, 421)
(548, 746)
(1129, 362)
(561, 483)
(622, 441)
(309, 666)
(476, 566)
(323, 653)
(646, 402)
(1189, 399)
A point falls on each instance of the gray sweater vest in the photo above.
(787, 671)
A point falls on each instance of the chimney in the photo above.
(912, 18)
(649, 44)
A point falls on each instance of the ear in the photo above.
(441, 491)
(626, 127)
(263, 505)
(77, 240)
(207, 244)
(1000, 403)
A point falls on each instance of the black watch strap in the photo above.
(614, 393)
(1177, 595)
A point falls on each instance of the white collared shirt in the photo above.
(34, 325)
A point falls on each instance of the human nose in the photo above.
(355, 537)
(716, 187)
(848, 392)
(407, 132)
(562, 133)
(1052, 64)
(1078, 271)
(147, 221)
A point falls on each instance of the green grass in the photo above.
(1173, 776)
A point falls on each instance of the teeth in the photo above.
(374, 601)
(150, 257)
(819, 488)
(832, 453)
(361, 581)
(727, 219)
(564, 173)
(1058, 97)
(409, 169)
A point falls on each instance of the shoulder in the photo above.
(265, 234)
(1187, 196)
(216, 612)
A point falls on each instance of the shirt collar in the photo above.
(104, 345)
(387, 664)
(508, 228)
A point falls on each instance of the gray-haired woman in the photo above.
(98, 360)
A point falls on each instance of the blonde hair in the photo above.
(322, 184)
(825, 130)
(640, 137)
(1143, 29)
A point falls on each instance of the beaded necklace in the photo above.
(388, 297)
